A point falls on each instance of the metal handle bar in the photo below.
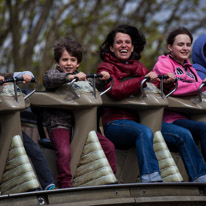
(93, 76)
(176, 85)
(15, 81)
(161, 77)
(33, 80)
(111, 85)
(141, 86)
(199, 91)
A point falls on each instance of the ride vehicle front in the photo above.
(16, 172)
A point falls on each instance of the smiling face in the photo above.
(67, 62)
(122, 47)
(181, 47)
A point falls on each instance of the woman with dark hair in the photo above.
(120, 53)
(177, 129)
(138, 41)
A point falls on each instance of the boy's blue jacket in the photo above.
(198, 57)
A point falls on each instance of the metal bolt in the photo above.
(41, 201)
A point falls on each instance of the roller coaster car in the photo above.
(82, 100)
(14, 162)
(150, 110)
(149, 105)
(193, 105)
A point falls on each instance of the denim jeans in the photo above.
(39, 162)
(179, 139)
(198, 131)
(127, 133)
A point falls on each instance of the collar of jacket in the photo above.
(130, 66)
(186, 61)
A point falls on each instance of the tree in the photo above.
(29, 29)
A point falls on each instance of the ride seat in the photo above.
(44, 141)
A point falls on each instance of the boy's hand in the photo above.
(81, 76)
(105, 75)
(26, 78)
(1, 78)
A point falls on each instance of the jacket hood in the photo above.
(163, 57)
(197, 51)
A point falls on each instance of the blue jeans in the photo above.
(127, 133)
(197, 129)
(179, 139)
(39, 162)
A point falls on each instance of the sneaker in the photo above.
(51, 187)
